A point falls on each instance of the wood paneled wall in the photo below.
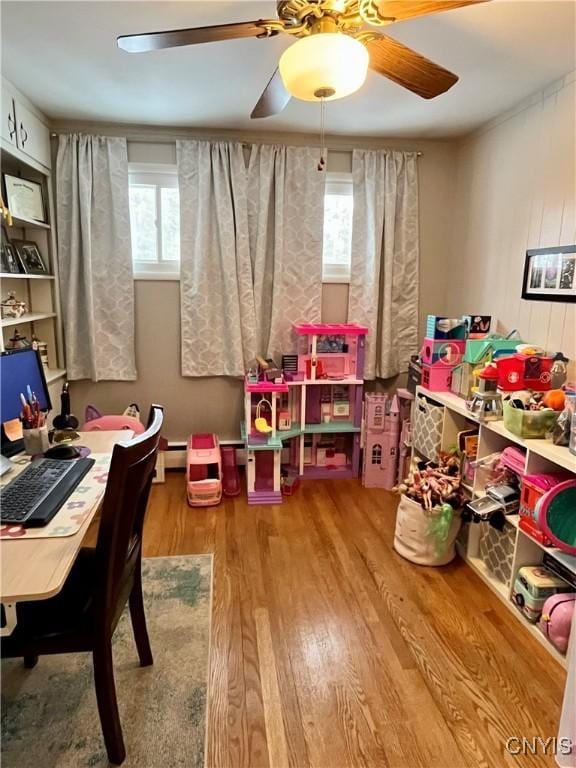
(515, 190)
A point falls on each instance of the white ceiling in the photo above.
(63, 56)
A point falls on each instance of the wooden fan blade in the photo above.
(397, 10)
(274, 98)
(156, 41)
(409, 69)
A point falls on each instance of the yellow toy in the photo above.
(260, 422)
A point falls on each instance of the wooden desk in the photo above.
(36, 569)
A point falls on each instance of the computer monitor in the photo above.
(19, 370)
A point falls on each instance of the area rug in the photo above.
(49, 713)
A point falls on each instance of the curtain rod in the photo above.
(170, 140)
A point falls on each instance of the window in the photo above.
(154, 219)
(377, 454)
(338, 208)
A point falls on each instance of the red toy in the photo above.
(532, 489)
(524, 372)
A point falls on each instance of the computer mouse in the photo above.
(62, 452)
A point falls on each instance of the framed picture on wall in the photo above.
(550, 274)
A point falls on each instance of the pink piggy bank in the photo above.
(556, 619)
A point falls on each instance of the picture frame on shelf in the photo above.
(10, 263)
(30, 257)
(25, 198)
(550, 274)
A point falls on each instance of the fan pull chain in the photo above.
(322, 162)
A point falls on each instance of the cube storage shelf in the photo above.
(541, 456)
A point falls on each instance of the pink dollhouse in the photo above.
(307, 423)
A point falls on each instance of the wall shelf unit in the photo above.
(541, 456)
(27, 154)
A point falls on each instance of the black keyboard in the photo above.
(33, 498)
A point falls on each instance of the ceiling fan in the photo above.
(332, 53)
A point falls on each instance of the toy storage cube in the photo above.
(428, 421)
(497, 550)
(444, 352)
(478, 326)
(437, 378)
(434, 330)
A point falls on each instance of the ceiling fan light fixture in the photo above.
(327, 65)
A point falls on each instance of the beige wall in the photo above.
(516, 190)
(214, 404)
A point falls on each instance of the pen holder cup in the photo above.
(36, 440)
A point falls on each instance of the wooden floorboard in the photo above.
(330, 650)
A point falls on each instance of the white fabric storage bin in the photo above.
(427, 428)
(414, 540)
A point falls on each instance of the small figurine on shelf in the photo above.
(12, 307)
(559, 371)
(486, 403)
(18, 342)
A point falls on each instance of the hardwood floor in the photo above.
(328, 649)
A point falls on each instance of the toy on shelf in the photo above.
(230, 474)
(534, 584)
(533, 487)
(203, 470)
(304, 420)
(526, 414)
(524, 371)
(556, 619)
(477, 354)
(478, 326)
(486, 403)
(445, 327)
(555, 513)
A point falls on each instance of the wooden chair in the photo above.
(84, 615)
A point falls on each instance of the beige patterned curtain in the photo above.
(95, 257)
(285, 216)
(385, 258)
(218, 330)
(251, 251)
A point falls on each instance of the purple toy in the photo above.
(556, 619)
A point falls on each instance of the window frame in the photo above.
(340, 183)
(161, 176)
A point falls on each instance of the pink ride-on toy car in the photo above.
(204, 471)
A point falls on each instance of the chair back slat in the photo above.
(119, 544)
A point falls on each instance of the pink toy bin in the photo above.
(556, 619)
